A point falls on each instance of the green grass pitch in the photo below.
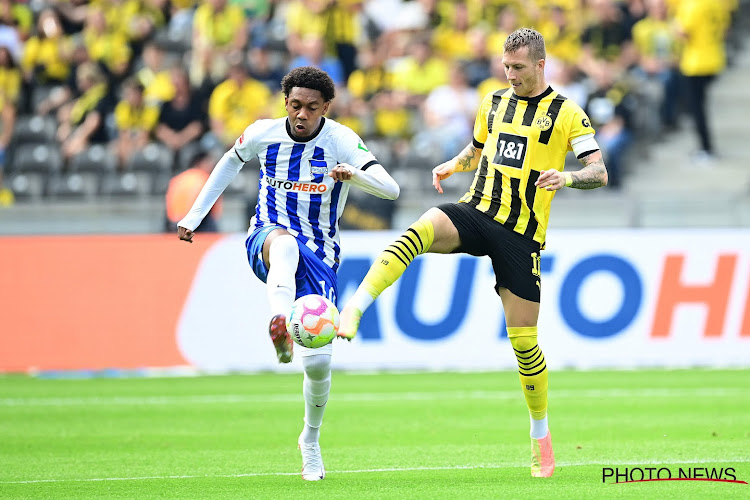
(412, 435)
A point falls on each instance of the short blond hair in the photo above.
(526, 37)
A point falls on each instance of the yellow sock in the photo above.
(393, 261)
(532, 369)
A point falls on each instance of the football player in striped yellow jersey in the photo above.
(521, 137)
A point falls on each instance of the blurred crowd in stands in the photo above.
(114, 97)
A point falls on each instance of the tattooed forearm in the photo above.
(468, 159)
(593, 174)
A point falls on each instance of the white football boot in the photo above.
(312, 461)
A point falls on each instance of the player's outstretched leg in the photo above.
(387, 268)
(349, 321)
(532, 369)
(315, 388)
(283, 258)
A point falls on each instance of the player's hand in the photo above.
(441, 172)
(341, 172)
(551, 180)
(185, 234)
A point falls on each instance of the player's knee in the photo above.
(523, 338)
(317, 366)
(285, 248)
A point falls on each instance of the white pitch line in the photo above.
(386, 469)
(373, 397)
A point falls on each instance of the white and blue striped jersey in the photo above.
(294, 190)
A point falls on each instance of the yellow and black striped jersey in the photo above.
(520, 137)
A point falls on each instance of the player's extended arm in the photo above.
(592, 175)
(466, 161)
(224, 173)
(374, 180)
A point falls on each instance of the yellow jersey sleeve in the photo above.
(480, 124)
(579, 122)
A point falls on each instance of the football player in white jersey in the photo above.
(307, 163)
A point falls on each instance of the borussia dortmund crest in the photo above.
(544, 122)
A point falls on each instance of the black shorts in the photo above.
(515, 258)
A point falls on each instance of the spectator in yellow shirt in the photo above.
(235, 102)
(219, 29)
(154, 77)
(562, 34)
(134, 120)
(370, 78)
(657, 43)
(46, 56)
(451, 38)
(419, 73)
(702, 25)
(10, 77)
(105, 46)
(305, 18)
(506, 22)
(392, 119)
(343, 32)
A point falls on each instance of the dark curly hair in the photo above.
(308, 77)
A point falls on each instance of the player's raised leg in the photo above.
(533, 373)
(433, 232)
(315, 388)
(283, 258)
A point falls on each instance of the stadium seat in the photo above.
(45, 158)
(159, 183)
(74, 185)
(42, 92)
(96, 158)
(382, 152)
(27, 186)
(153, 158)
(126, 184)
(34, 129)
(185, 155)
(246, 181)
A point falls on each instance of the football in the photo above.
(313, 322)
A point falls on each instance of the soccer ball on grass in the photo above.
(313, 322)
